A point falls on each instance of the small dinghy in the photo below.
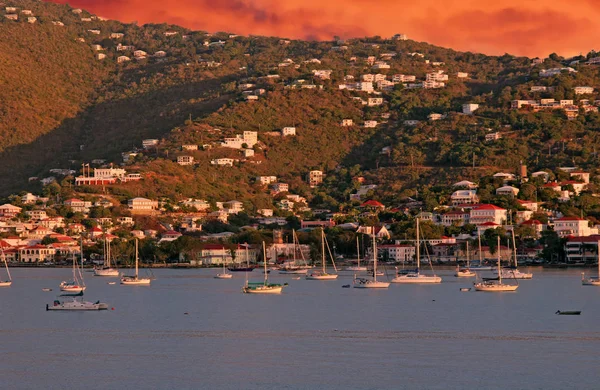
(46, 289)
(464, 289)
(568, 313)
(346, 286)
(111, 283)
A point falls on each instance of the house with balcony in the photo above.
(573, 226)
(464, 197)
(483, 213)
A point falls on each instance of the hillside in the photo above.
(65, 107)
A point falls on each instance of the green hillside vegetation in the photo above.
(63, 107)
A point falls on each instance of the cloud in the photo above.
(514, 26)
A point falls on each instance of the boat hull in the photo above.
(263, 290)
(74, 289)
(293, 271)
(6, 283)
(321, 277)
(418, 279)
(77, 306)
(223, 276)
(371, 284)
(356, 269)
(495, 287)
(110, 272)
(136, 282)
(590, 282)
(465, 274)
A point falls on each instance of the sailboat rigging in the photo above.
(592, 280)
(371, 283)
(262, 287)
(135, 280)
(322, 274)
(5, 283)
(416, 276)
(495, 284)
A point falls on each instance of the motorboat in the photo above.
(592, 280)
(77, 305)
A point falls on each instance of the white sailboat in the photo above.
(135, 280)
(357, 267)
(224, 274)
(371, 283)
(322, 274)
(5, 283)
(513, 272)
(416, 276)
(480, 267)
(592, 280)
(262, 287)
(495, 284)
(295, 268)
(76, 285)
(465, 272)
(106, 269)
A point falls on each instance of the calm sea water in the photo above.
(316, 335)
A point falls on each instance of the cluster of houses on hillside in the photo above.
(571, 109)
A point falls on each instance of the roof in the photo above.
(525, 201)
(372, 203)
(532, 222)
(487, 207)
(489, 224)
(213, 246)
(592, 238)
(569, 219)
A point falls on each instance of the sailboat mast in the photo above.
(265, 261)
(468, 258)
(480, 254)
(323, 248)
(136, 258)
(418, 248)
(358, 251)
(374, 257)
(499, 271)
(5, 263)
(514, 248)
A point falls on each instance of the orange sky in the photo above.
(521, 27)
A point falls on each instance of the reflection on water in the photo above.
(316, 335)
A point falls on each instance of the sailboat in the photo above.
(135, 280)
(416, 276)
(238, 268)
(262, 287)
(106, 269)
(5, 283)
(357, 267)
(224, 274)
(76, 285)
(513, 271)
(591, 280)
(371, 283)
(480, 266)
(301, 269)
(322, 274)
(465, 272)
(495, 284)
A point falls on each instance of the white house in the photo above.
(470, 108)
(223, 162)
(573, 226)
(185, 160)
(465, 183)
(142, 204)
(508, 191)
(464, 197)
(397, 253)
(286, 131)
(583, 90)
(315, 178)
(485, 213)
